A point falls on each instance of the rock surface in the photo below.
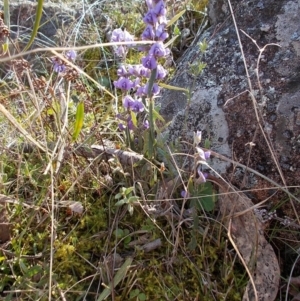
(221, 105)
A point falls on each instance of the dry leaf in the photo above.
(248, 235)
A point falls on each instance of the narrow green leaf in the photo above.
(118, 277)
(23, 267)
(175, 18)
(133, 118)
(171, 41)
(38, 16)
(156, 115)
(79, 120)
(174, 88)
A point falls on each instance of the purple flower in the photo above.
(160, 8)
(150, 17)
(161, 33)
(130, 124)
(184, 194)
(120, 50)
(71, 55)
(155, 89)
(137, 106)
(149, 4)
(158, 50)
(127, 36)
(139, 70)
(133, 69)
(161, 72)
(117, 35)
(202, 176)
(58, 65)
(146, 124)
(144, 72)
(122, 71)
(149, 62)
(148, 33)
(141, 91)
(128, 102)
(122, 127)
(204, 155)
(124, 83)
(136, 82)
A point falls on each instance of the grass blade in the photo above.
(118, 277)
(79, 120)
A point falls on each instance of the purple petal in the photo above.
(184, 194)
(207, 154)
(137, 106)
(149, 62)
(161, 72)
(204, 155)
(149, 4)
(127, 36)
(117, 35)
(136, 82)
(155, 89)
(160, 8)
(130, 124)
(128, 102)
(120, 50)
(71, 55)
(122, 71)
(150, 17)
(124, 83)
(139, 70)
(122, 127)
(157, 50)
(161, 33)
(141, 91)
(59, 67)
(148, 33)
(202, 176)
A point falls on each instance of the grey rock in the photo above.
(220, 102)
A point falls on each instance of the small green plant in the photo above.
(125, 197)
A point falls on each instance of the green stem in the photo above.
(151, 108)
(38, 16)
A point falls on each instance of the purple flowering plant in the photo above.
(138, 83)
(139, 86)
(60, 66)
